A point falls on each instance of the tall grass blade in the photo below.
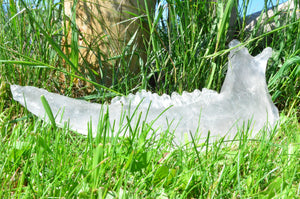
(48, 111)
(224, 17)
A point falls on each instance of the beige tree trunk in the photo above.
(106, 27)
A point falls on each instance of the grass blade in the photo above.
(48, 111)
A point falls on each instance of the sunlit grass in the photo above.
(40, 161)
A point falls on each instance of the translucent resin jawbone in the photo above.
(244, 96)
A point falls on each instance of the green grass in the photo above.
(187, 52)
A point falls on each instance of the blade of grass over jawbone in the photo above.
(48, 111)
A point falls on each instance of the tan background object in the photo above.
(105, 29)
